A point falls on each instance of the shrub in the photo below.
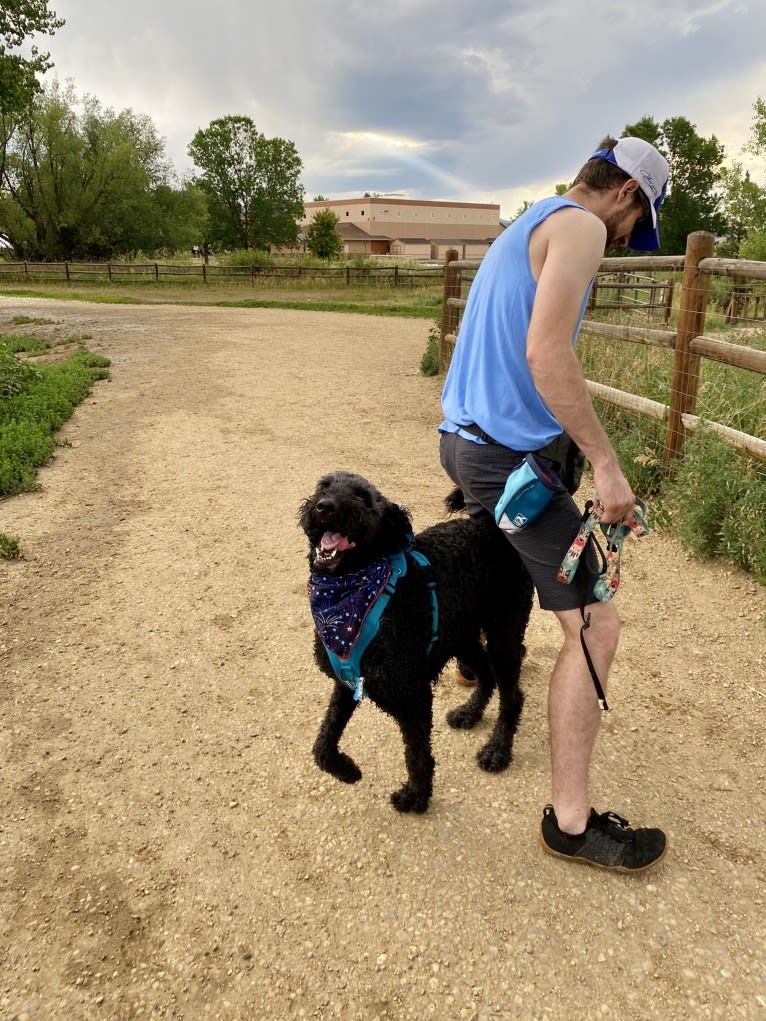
(429, 363)
(10, 549)
(36, 401)
(717, 503)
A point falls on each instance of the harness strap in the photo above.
(424, 562)
(349, 670)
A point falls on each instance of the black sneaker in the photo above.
(608, 842)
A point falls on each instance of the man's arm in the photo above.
(565, 253)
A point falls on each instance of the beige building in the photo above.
(409, 228)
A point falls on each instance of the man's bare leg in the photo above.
(573, 710)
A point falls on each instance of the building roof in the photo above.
(350, 232)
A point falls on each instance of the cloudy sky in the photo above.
(490, 101)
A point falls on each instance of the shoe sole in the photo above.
(597, 864)
(466, 682)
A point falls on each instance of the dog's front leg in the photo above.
(416, 732)
(327, 755)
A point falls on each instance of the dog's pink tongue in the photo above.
(335, 541)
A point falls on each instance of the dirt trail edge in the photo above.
(168, 848)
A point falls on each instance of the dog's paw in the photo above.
(408, 800)
(464, 717)
(341, 766)
(494, 757)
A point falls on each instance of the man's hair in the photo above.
(600, 174)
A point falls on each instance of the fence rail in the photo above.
(687, 341)
(392, 276)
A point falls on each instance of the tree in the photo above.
(744, 208)
(753, 246)
(322, 237)
(757, 143)
(693, 198)
(20, 20)
(84, 182)
(255, 196)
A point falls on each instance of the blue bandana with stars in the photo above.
(340, 605)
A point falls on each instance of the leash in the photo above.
(616, 534)
(609, 576)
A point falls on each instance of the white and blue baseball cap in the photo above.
(641, 161)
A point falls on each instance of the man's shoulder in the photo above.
(575, 226)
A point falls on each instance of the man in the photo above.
(515, 386)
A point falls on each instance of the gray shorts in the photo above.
(481, 471)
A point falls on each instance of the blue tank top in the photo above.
(489, 383)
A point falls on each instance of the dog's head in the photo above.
(350, 524)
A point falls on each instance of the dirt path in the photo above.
(167, 847)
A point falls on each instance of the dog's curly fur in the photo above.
(482, 589)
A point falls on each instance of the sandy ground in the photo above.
(168, 848)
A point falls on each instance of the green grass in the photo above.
(35, 401)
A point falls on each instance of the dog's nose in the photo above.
(326, 505)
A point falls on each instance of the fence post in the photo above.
(669, 286)
(691, 322)
(66, 271)
(450, 315)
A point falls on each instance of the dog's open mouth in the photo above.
(331, 547)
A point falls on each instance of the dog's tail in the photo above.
(455, 501)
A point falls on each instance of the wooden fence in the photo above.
(633, 292)
(390, 276)
(688, 341)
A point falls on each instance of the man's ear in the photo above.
(628, 190)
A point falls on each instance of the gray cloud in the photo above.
(496, 101)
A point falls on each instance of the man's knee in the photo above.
(603, 625)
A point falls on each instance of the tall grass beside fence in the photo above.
(715, 498)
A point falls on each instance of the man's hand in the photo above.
(615, 494)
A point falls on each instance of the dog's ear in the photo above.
(396, 525)
(303, 513)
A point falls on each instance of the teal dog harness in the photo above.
(348, 609)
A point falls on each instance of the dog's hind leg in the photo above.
(466, 716)
(416, 733)
(505, 646)
(327, 755)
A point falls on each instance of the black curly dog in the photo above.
(482, 590)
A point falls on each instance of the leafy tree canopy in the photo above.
(19, 21)
(744, 206)
(256, 198)
(693, 200)
(322, 237)
(83, 182)
(757, 143)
